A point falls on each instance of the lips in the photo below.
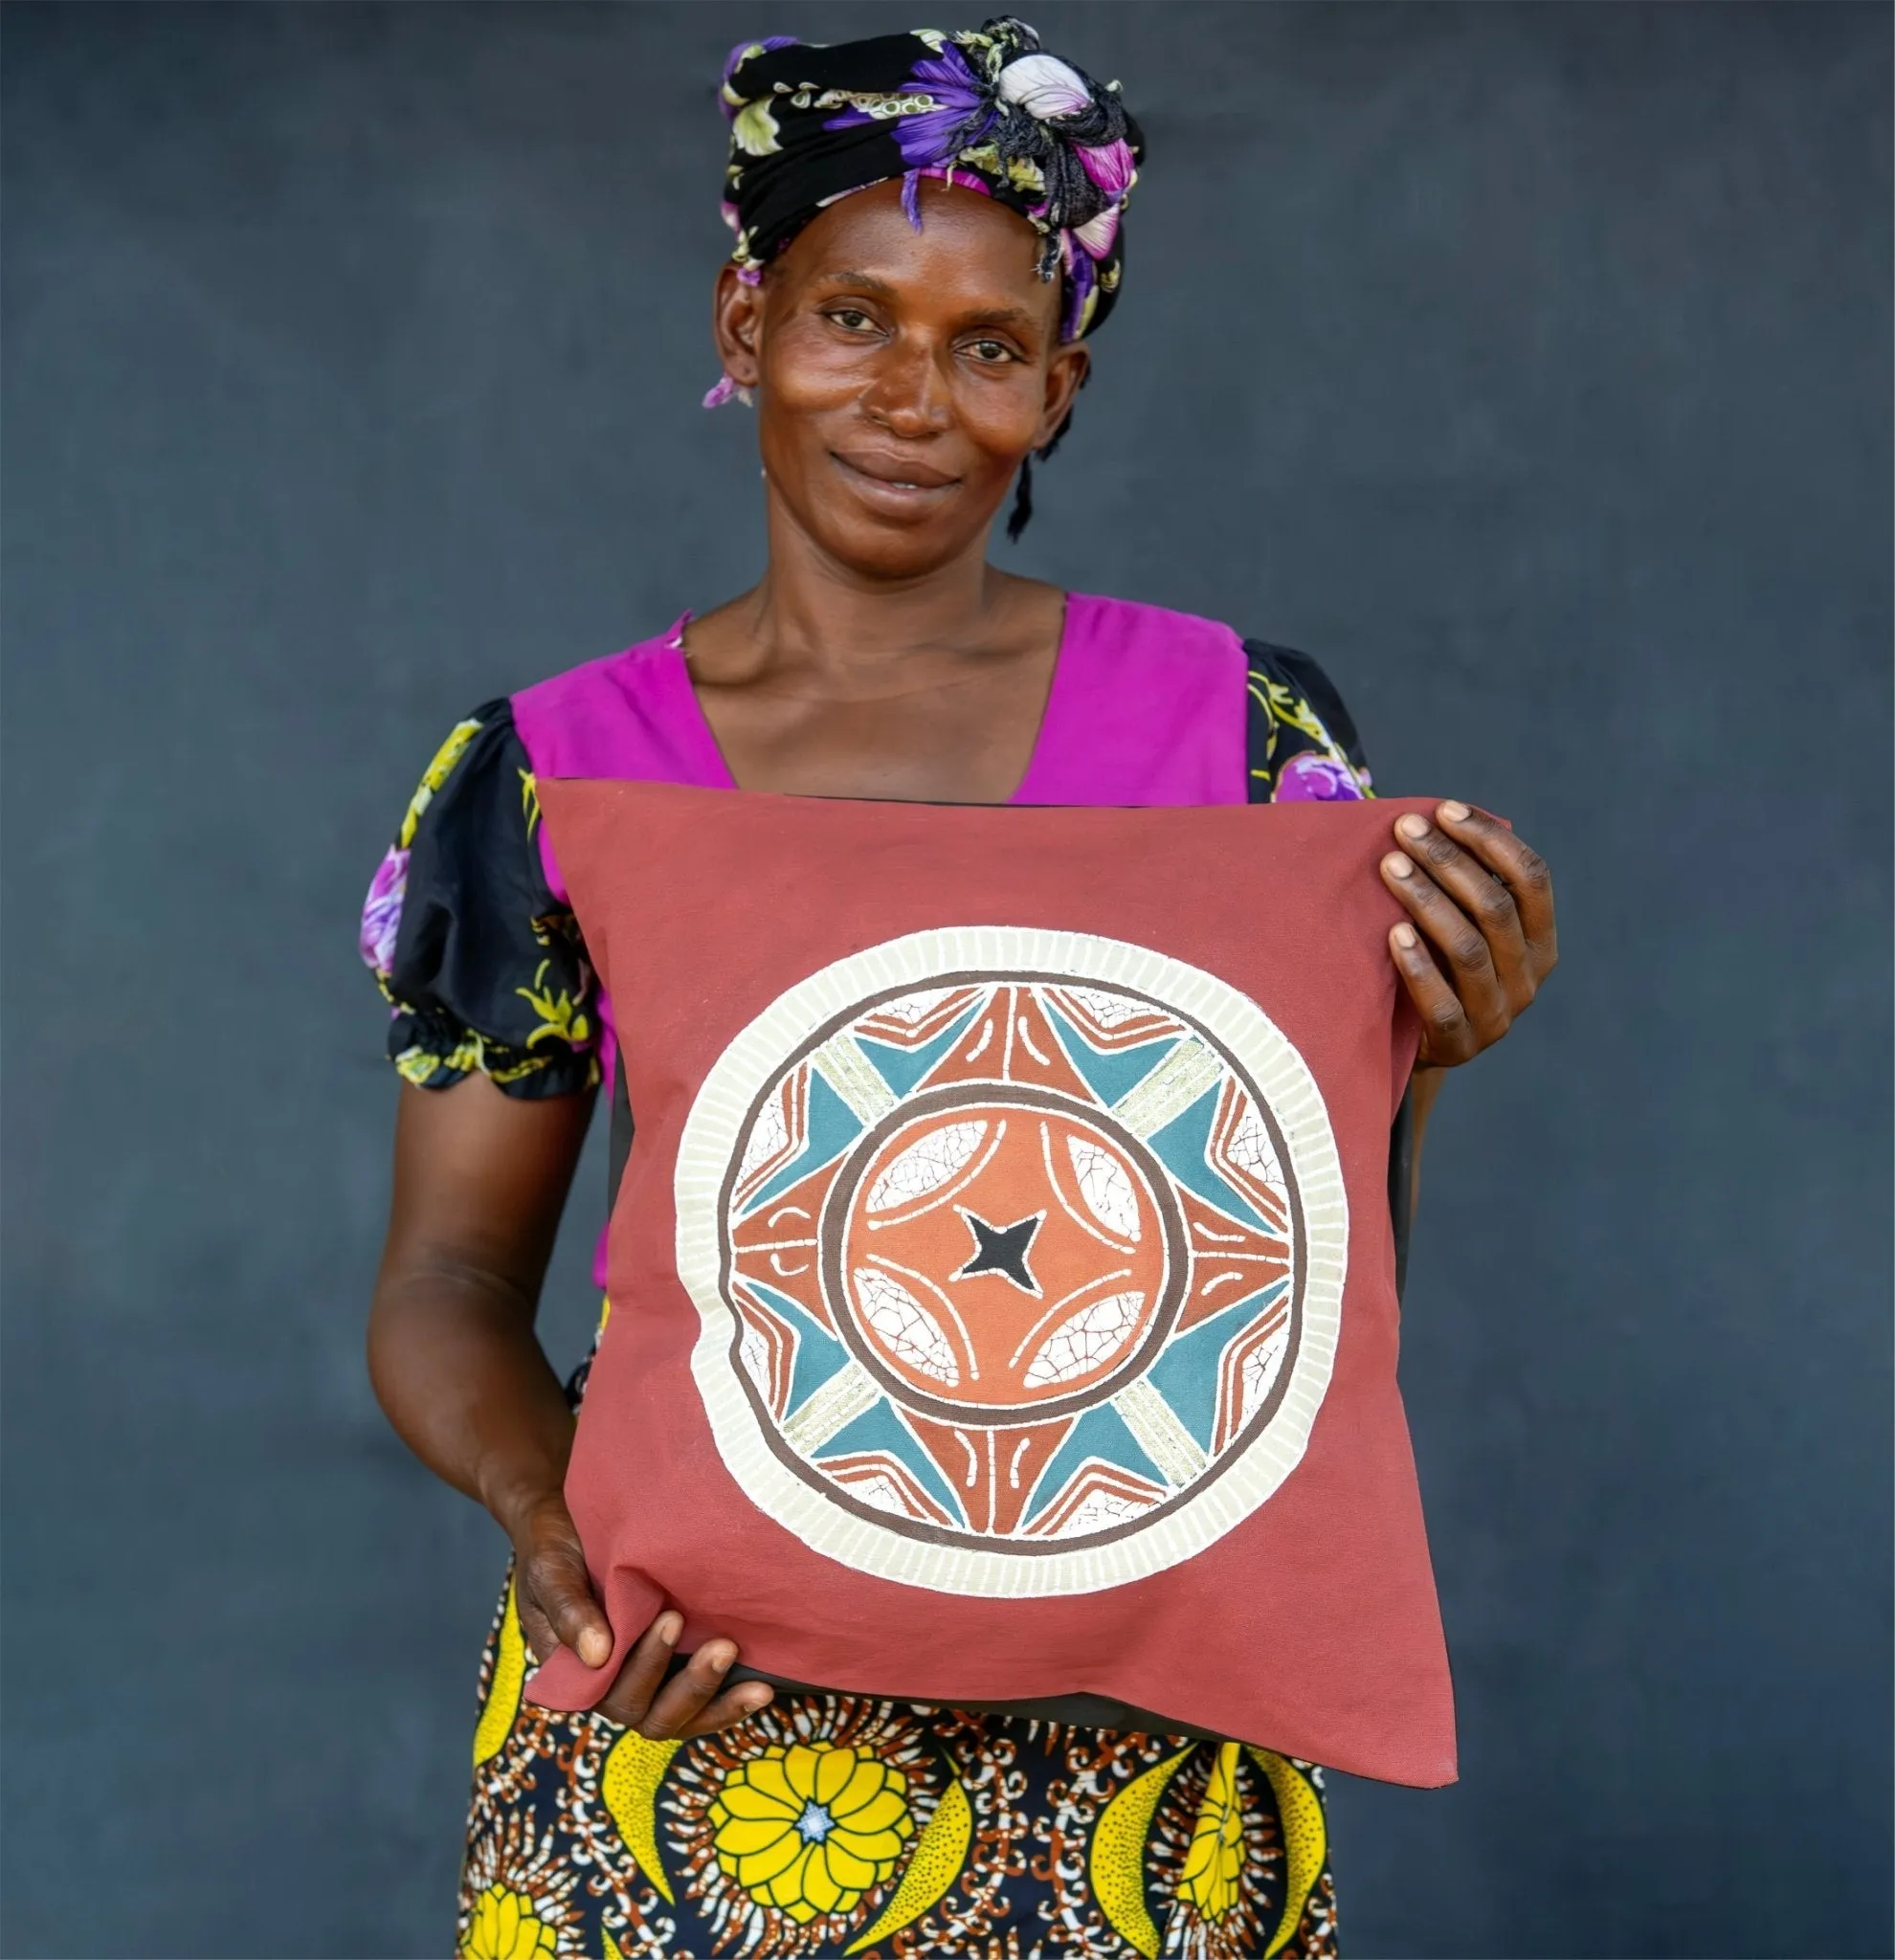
(893, 474)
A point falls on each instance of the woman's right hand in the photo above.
(481, 1179)
(557, 1609)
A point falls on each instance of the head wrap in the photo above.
(986, 110)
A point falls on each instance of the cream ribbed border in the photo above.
(921, 959)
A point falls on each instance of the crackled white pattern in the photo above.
(1105, 1189)
(913, 1008)
(755, 1350)
(880, 1491)
(1250, 1150)
(925, 1164)
(1088, 1340)
(905, 1326)
(1261, 1367)
(770, 1135)
(1109, 1009)
(1099, 1510)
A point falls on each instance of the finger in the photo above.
(631, 1694)
(1482, 897)
(556, 1578)
(1520, 868)
(732, 1706)
(535, 1628)
(687, 1696)
(1470, 966)
(1447, 1036)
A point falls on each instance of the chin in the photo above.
(897, 550)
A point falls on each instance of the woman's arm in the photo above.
(1487, 939)
(1424, 1086)
(481, 1179)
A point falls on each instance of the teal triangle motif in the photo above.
(902, 1068)
(1101, 1432)
(819, 1355)
(881, 1429)
(1109, 1075)
(1186, 1372)
(1181, 1147)
(832, 1126)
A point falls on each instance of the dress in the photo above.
(828, 1825)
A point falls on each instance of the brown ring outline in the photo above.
(831, 1231)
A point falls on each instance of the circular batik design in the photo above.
(1019, 1257)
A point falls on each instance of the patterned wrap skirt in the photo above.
(833, 1824)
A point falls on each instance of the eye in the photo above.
(990, 353)
(851, 320)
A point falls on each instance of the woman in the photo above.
(927, 230)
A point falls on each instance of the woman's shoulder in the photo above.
(604, 674)
(1131, 628)
(479, 959)
(1302, 740)
(481, 746)
(1172, 635)
(1304, 744)
(630, 714)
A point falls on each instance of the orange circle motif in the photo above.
(997, 1255)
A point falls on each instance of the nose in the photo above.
(909, 394)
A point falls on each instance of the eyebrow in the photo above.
(867, 283)
(866, 280)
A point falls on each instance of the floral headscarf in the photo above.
(986, 110)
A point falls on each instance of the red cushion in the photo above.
(1003, 1291)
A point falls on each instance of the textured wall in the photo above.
(1527, 364)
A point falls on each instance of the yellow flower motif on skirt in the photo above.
(1213, 1864)
(808, 1830)
(504, 1927)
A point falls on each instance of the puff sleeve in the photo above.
(1301, 739)
(482, 966)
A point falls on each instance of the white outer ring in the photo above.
(705, 1150)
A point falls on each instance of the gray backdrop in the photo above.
(1528, 365)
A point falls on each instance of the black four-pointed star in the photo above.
(1002, 1249)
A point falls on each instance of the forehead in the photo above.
(969, 251)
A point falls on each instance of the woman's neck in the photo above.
(848, 633)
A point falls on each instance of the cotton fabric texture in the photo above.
(988, 110)
(1018, 1835)
(1007, 1233)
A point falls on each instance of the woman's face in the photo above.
(901, 375)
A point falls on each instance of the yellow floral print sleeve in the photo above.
(1301, 741)
(481, 964)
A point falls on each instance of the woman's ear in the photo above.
(737, 326)
(1065, 376)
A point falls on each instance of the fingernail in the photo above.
(1404, 937)
(1414, 827)
(594, 1647)
(1398, 865)
(669, 1626)
(758, 1699)
(720, 1658)
(1454, 813)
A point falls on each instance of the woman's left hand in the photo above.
(1484, 902)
